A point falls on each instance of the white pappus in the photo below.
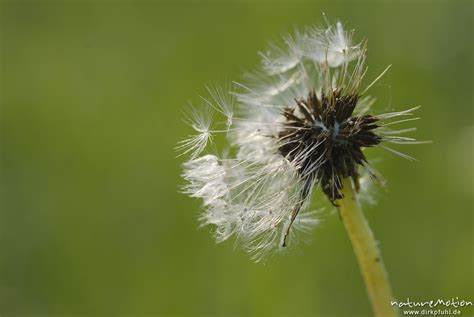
(300, 120)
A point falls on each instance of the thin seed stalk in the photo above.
(367, 253)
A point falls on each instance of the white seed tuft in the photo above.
(260, 191)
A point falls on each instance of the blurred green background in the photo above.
(91, 219)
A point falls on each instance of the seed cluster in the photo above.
(325, 141)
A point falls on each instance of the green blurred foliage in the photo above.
(91, 219)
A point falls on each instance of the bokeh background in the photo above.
(92, 223)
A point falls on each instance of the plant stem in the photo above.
(367, 253)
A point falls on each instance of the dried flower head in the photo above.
(301, 120)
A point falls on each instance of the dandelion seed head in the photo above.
(300, 121)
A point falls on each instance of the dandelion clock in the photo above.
(300, 123)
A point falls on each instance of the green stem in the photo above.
(367, 253)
